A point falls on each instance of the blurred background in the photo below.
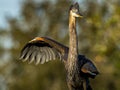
(99, 39)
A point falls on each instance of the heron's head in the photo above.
(74, 10)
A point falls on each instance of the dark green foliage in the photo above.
(99, 39)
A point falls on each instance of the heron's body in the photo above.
(79, 68)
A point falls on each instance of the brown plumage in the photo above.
(79, 68)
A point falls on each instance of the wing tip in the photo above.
(37, 39)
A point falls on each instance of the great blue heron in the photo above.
(79, 68)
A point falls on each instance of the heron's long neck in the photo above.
(73, 47)
(73, 43)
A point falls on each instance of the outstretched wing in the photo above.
(87, 67)
(43, 49)
(90, 69)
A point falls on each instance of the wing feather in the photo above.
(41, 50)
(27, 55)
(50, 55)
(32, 58)
(53, 55)
(43, 59)
(47, 54)
(87, 66)
(59, 55)
(23, 53)
(38, 57)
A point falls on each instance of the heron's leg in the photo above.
(89, 88)
(85, 85)
(70, 86)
